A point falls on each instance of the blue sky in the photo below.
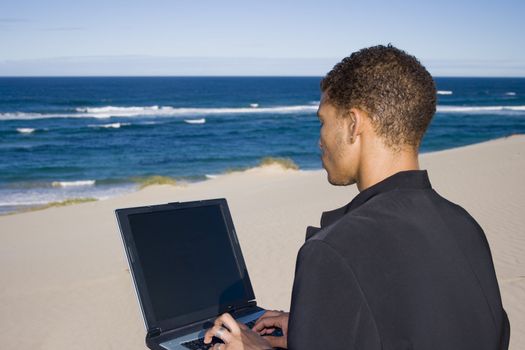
(194, 37)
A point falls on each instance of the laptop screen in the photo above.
(188, 261)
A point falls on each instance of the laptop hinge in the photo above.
(238, 308)
(153, 332)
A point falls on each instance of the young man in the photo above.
(399, 267)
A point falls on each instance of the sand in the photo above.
(65, 283)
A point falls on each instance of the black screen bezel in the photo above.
(150, 320)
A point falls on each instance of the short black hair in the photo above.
(391, 86)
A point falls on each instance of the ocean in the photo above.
(97, 137)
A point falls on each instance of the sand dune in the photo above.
(64, 278)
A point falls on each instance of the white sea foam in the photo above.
(110, 125)
(73, 183)
(479, 109)
(23, 202)
(115, 111)
(510, 93)
(195, 121)
(156, 111)
(254, 105)
(182, 111)
(20, 116)
(444, 92)
(25, 130)
(212, 176)
(46, 194)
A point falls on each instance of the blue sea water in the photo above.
(93, 137)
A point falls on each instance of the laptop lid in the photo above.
(185, 261)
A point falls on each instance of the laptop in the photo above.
(187, 269)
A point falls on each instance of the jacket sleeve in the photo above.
(328, 309)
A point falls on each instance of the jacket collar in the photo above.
(410, 179)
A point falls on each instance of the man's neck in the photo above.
(378, 166)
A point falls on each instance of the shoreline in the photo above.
(134, 184)
(155, 180)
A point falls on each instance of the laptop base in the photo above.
(173, 339)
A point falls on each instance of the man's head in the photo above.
(378, 98)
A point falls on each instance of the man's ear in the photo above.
(355, 123)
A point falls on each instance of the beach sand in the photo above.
(65, 282)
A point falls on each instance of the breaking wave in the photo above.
(73, 183)
(107, 126)
(25, 130)
(156, 111)
(479, 109)
(195, 121)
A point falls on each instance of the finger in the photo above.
(208, 336)
(228, 321)
(264, 331)
(270, 313)
(276, 342)
(219, 321)
(222, 320)
(267, 331)
(267, 322)
(219, 332)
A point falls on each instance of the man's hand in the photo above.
(235, 335)
(267, 323)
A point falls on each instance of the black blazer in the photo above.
(399, 267)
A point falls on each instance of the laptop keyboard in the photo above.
(198, 344)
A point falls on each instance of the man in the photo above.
(399, 267)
